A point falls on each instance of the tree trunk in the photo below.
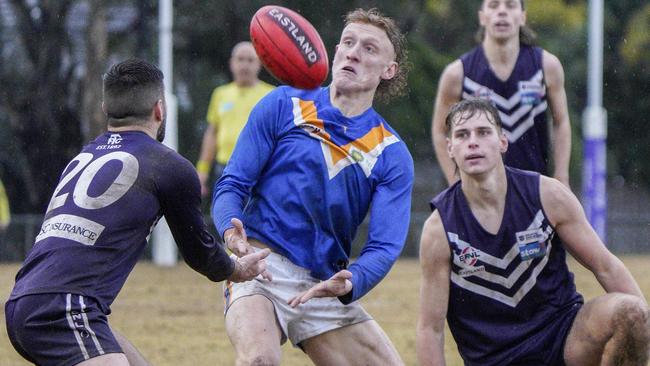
(93, 121)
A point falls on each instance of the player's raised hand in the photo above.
(337, 285)
(249, 266)
(236, 239)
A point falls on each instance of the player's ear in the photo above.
(390, 71)
(159, 110)
(503, 142)
(449, 152)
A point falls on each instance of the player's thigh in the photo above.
(252, 326)
(111, 359)
(362, 343)
(593, 327)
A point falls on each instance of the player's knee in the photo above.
(631, 316)
(259, 359)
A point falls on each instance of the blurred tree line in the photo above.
(52, 55)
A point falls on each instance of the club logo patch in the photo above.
(469, 256)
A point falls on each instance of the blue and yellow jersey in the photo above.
(309, 176)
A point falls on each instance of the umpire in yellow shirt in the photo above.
(5, 215)
(228, 112)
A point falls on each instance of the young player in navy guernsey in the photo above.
(521, 80)
(491, 266)
(314, 163)
(108, 200)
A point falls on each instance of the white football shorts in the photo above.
(316, 316)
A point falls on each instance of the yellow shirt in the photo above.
(4, 208)
(228, 112)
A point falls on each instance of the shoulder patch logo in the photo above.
(114, 139)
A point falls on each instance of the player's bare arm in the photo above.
(449, 92)
(554, 77)
(566, 214)
(434, 292)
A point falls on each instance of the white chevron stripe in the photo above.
(510, 119)
(514, 135)
(499, 100)
(513, 300)
(369, 158)
(297, 112)
(504, 262)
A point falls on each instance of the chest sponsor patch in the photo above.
(227, 106)
(483, 93)
(466, 272)
(531, 92)
(532, 244)
(71, 227)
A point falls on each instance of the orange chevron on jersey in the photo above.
(363, 151)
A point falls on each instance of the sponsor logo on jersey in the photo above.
(531, 92)
(71, 227)
(114, 139)
(471, 271)
(114, 142)
(483, 93)
(227, 106)
(531, 243)
(468, 256)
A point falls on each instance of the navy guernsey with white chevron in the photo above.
(521, 101)
(102, 211)
(505, 287)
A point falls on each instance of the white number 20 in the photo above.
(120, 185)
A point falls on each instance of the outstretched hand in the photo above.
(337, 285)
(236, 239)
(250, 266)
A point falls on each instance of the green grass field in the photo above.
(174, 316)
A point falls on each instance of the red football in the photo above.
(289, 47)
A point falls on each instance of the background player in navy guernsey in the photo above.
(490, 267)
(314, 163)
(109, 198)
(521, 81)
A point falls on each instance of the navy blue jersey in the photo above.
(108, 200)
(521, 101)
(506, 287)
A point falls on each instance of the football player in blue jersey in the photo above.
(108, 200)
(314, 163)
(491, 266)
(521, 80)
